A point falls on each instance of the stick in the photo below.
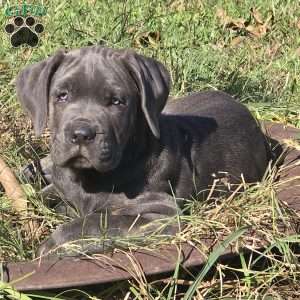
(12, 188)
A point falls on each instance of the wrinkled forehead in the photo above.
(91, 70)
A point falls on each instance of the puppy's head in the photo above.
(92, 96)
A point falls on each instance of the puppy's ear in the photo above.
(33, 85)
(153, 81)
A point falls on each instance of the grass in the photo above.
(204, 46)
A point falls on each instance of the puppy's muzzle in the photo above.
(81, 133)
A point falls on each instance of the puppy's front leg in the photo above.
(126, 219)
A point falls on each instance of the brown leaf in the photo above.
(237, 40)
(131, 29)
(256, 15)
(26, 53)
(257, 31)
(298, 24)
(236, 24)
(154, 37)
(222, 15)
(229, 22)
(260, 30)
(147, 39)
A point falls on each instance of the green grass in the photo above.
(200, 53)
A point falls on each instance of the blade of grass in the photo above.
(175, 277)
(212, 259)
(136, 293)
(7, 291)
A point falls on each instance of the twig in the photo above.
(12, 188)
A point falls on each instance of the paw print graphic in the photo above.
(24, 31)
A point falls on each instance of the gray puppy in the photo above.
(116, 149)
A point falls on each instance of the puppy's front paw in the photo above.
(73, 237)
(59, 243)
(63, 233)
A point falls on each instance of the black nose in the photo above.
(83, 135)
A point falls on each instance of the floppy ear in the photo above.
(153, 81)
(33, 85)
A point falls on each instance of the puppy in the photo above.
(118, 150)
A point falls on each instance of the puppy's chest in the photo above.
(97, 196)
(92, 187)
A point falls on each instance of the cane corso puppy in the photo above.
(118, 150)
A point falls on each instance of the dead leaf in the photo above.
(229, 22)
(131, 29)
(260, 30)
(26, 53)
(223, 17)
(236, 24)
(237, 40)
(256, 15)
(147, 39)
(257, 28)
(257, 31)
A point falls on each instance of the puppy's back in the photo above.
(236, 143)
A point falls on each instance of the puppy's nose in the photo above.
(83, 135)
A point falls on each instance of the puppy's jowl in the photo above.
(118, 150)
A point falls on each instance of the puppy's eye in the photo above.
(62, 97)
(117, 101)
